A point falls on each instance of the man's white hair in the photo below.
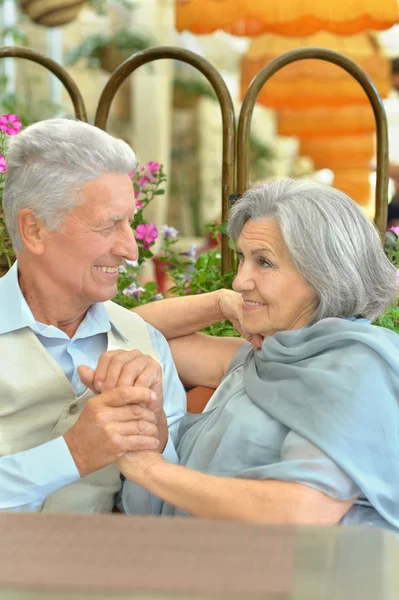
(50, 161)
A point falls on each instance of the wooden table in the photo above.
(102, 557)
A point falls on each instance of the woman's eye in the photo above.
(240, 257)
(265, 264)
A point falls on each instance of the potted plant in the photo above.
(51, 13)
(9, 125)
(107, 52)
(188, 90)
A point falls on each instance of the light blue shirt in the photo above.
(28, 477)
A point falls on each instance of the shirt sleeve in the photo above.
(302, 462)
(134, 499)
(174, 395)
(29, 477)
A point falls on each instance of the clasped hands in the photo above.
(126, 414)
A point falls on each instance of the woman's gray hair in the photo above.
(47, 165)
(332, 243)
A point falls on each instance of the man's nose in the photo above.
(127, 245)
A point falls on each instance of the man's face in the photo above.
(81, 258)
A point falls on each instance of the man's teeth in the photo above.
(248, 303)
(107, 269)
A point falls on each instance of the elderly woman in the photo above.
(304, 428)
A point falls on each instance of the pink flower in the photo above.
(142, 181)
(146, 232)
(139, 204)
(3, 164)
(153, 166)
(147, 175)
(148, 171)
(10, 124)
(132, 175)
(395, 230)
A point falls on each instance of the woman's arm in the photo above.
(211, 497)
(203, 359)
(177, 317)
(200, 359)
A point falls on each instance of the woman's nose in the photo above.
(243, 281)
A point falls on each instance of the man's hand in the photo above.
(112, 424)
(230, 305)
(122, 368)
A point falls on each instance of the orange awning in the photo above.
(308, 83)
(348, 157)
(354, 182)
(321, 122)
(285, 17)
(342, 152)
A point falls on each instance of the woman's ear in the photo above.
(32, 231)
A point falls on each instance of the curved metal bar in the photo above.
(353, 69)
(215, 79)
(55, 68)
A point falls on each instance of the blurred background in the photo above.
(311, 118)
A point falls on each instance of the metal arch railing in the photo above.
(233, 161)
(55, 68)
(225, 102)
(244, 124)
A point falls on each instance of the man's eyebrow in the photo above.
(108, 219)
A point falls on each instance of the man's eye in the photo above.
(109, 228)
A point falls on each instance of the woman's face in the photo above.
(276, 297)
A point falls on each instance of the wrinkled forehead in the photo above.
(107, 196)
(262, 233)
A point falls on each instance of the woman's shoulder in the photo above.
(337, 346)
(360, 332)
(333, 330)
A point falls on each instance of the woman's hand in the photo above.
(230, 305)
(135, 465)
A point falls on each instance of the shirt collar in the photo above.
(15, 312)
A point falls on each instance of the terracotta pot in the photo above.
(51, 13)
(110, 57)
(197, 398)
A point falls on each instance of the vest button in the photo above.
(73, 409)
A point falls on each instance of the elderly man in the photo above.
(78, 386)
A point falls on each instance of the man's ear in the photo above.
(32, 231)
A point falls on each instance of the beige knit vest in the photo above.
(38, 404)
